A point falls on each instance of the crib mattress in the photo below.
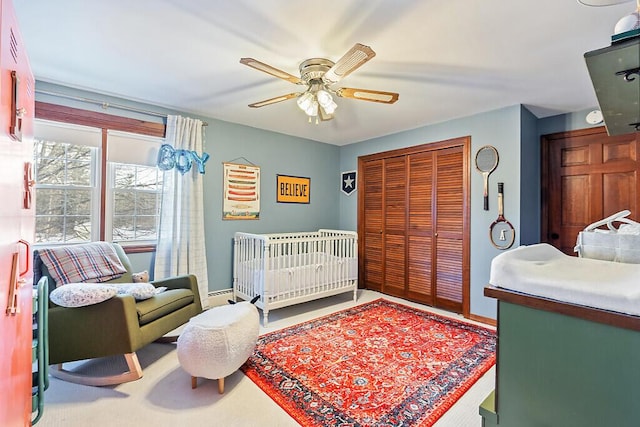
(542, 270)
(286, 274)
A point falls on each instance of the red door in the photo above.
(16, 223)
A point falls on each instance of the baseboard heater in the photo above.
(219, 297)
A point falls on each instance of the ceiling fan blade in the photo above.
(354, 58)
(368, 95)
(261, 66)
(275, 100)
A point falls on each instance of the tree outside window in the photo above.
(136, 202)
(65, 191)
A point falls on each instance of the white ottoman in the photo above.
(218, 341)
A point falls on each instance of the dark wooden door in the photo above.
(413, 224)
(586, 176)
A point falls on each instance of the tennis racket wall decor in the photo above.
(486, 162)
(501, 232)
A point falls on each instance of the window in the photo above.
(65, 191)
(136, 194)
(70, 207)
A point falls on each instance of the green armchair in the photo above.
(119, 325)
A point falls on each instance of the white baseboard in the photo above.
(221, 297)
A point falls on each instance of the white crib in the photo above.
(292, 268)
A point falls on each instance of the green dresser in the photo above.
(563, 365)
(488, 411)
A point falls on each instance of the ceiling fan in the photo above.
(318, 75)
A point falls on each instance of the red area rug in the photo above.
(377, 364)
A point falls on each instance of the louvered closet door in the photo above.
(449, 228)
(413, 223)
(420, 228)
(372, 219)
(395, 225)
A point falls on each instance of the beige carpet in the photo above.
(163, 396)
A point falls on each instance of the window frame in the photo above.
(105, 122)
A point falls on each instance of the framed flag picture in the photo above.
(348, 183)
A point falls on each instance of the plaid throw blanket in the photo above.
(90, 262)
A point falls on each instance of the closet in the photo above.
(413, 223)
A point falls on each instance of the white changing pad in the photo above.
(544, 271)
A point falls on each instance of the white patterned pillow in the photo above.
(81, 294)
(140, 291)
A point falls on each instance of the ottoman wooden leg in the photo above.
(221, 385)
(194, 382)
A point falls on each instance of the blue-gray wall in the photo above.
(565, 122)
(226, 142)
(275, 154)
(514, 131)
(500, 128)
(529, 179)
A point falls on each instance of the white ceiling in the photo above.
(446, 58)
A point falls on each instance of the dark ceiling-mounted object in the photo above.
(615, 73)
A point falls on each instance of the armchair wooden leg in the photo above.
(134, 373)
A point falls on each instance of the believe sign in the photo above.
(292, 189)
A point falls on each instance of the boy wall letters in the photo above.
(169, 158)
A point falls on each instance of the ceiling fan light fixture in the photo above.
(312, 111)
(326, 101)
(324, 97)
(308, 103)
(330, 109)
(305, 101)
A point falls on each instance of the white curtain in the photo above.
(181, 248)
